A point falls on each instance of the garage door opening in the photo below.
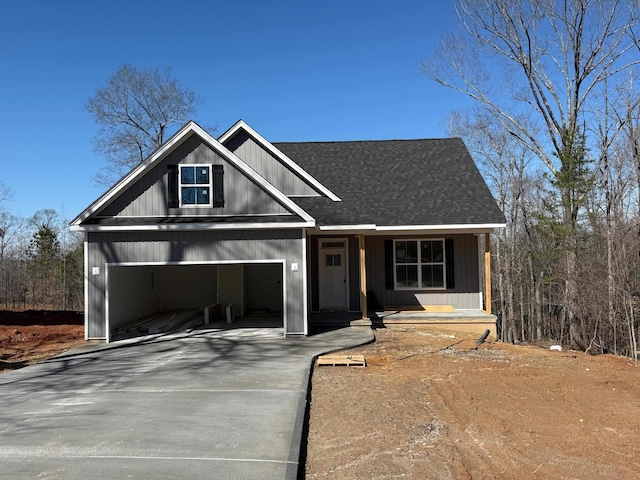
(144, 299)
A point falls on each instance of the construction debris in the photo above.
(164, 322)
(343, 360)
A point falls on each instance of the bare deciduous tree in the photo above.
(546, 61)
(135, 111)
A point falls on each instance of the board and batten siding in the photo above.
(148, 196)
(208, 247)
(276, 173)
(465, 295)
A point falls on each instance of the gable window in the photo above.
(419, 264)
(195, 186)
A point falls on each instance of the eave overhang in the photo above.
(408, 229)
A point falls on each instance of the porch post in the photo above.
(487, 272)
(363, 279)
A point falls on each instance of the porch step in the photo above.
(362, 322)
(420, 308)
(342, 360)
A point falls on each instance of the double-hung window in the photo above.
(195, 186)
(419, 264)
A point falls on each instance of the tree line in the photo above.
(555, 129)
(41, 262)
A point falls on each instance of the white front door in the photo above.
(333, 278)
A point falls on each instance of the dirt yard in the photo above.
(420, 410)
(32, 336)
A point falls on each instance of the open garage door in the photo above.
(137, 292)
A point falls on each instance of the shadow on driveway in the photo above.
(212, 403)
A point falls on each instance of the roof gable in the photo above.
(148, 195)
(272, 163)
(251, 191)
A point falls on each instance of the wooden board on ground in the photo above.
(164, 322)
(343, 360)
(421, 308)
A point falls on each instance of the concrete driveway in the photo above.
(218, 404)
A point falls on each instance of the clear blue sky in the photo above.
(294, 70)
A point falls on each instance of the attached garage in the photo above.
(138, 290)
(133, 274)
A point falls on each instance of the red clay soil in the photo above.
(32, 336)
(420, 410)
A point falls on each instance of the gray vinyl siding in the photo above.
(465, 295)
(148, 196)
(268, 166)
(199, 246)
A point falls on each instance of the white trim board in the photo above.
(190, 226)
(407, 229)
(86, 287)
(305, 306)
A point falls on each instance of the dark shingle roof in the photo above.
(395, 182)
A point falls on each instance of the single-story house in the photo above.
(289, 228)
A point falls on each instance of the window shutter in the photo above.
(388, 264)
(172, 186)
(448, 252)
(218, 186)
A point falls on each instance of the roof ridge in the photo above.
(368, 141)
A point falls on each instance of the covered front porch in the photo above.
(360, 268)
(353, 272)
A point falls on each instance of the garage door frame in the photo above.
(281, 261)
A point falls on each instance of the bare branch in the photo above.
(135, 110)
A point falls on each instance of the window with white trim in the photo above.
(419, 264)
(195, 186)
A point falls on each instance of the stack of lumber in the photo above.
(163, 322)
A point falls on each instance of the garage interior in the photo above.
(155, 298)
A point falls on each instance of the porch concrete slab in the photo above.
(471, 321)
(206, 404)
(479, 315)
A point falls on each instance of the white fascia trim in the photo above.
(482, 226)
(133, 175)
(281, 156)
(347, 227)
(190, 226)
(162, 217)
(410, 229)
